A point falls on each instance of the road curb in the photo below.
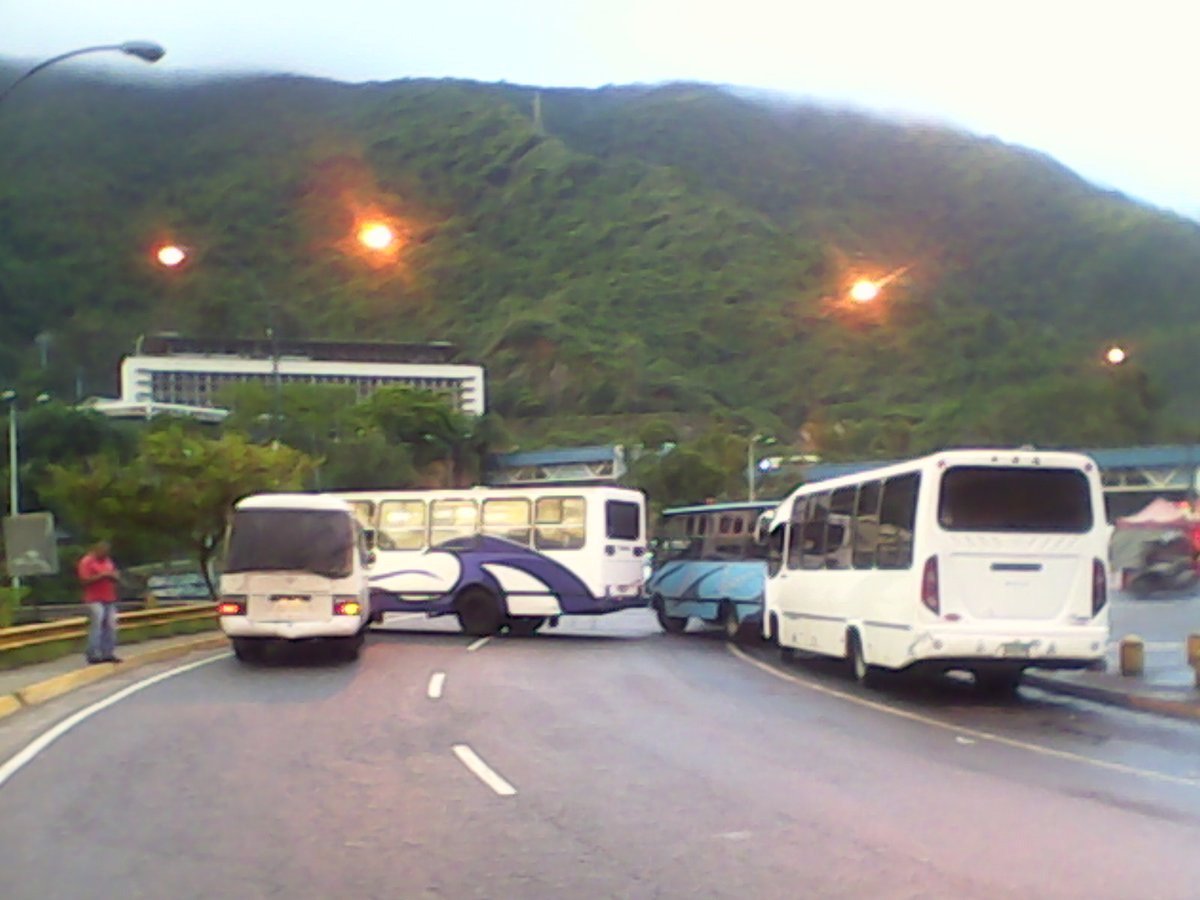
(56, 686)
(1163, 706)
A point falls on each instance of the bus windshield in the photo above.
(997, 498)
(307, 540)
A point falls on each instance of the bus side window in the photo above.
(775, 548)
(815, 531)
(401, 525)
(840, 534)
(559, 523)
(507, 518)
(897, 517)
(450, 519)
(866, 525)
(795, 544)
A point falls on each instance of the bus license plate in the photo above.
(286, 600)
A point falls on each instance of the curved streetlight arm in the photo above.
(144, 50)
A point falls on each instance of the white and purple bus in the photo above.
(505, 557)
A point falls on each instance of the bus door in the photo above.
(624, 547)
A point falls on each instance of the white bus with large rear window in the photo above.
(989, 561)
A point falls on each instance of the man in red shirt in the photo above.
(98, 575)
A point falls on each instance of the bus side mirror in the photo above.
(762, 528)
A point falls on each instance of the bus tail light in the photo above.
(346, 606)
(1099, 587)
(929, 586)
(231, 606)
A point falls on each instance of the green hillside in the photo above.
(642, 258)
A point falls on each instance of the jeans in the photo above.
(102, 635)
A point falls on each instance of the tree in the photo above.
(176, 492)
(437, 435)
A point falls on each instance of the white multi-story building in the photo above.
(168, 372)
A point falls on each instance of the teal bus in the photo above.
(709, 565)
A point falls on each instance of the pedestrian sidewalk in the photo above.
(1167, 688)
(37, 683)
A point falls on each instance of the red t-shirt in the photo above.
(102, 591)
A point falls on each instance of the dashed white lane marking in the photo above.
(46, 738)
(1041, 750)
(477, 644)
(436, 681)
(483, 771)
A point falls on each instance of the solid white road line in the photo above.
(436, 681)
(44, 740)
(479, 643)
(483, 771)
(960, 730)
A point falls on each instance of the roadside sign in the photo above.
(29, 545)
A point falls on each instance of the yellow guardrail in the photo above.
(77, 626)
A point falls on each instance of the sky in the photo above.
(1107, 89)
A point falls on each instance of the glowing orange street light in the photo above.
(376, 235)
(864, 291)
(170, 255)
(1115, 356)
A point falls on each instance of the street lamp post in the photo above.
(752, 463)
(172, 256)
(144, 50)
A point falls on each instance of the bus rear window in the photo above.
(624, 520)
(997, 498)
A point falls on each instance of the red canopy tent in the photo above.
(1159, 521)
(1160, 513)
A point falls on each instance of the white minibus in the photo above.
(295, 568)
(989, 561)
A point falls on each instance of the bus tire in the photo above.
(347, 648)
(860, 670)
(771, 632)
(998, 685)
(248, 650)
(525, 626)
(478, 612)
(729, 622)
(670, 624)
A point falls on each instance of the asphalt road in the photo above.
(619, 762)
(1166, 618)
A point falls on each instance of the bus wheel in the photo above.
(348, 648)
(729, 622)
(771, 635)
(863, 673)
(997, 684)
(525, 626)
(248, 650)
(670, 624)
(478, 612)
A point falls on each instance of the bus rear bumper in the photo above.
(335, 626)
(1075, 648)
